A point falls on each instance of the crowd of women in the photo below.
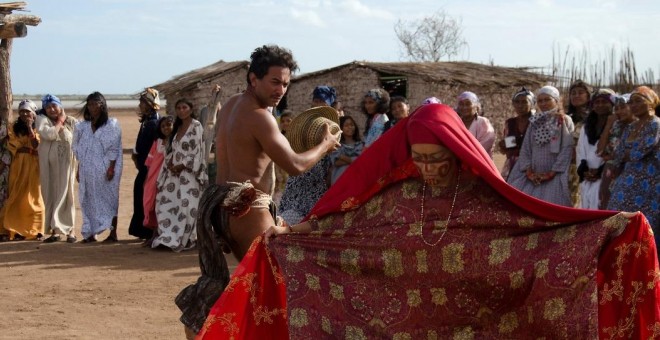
(602, 153)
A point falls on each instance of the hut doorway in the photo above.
(395, 85)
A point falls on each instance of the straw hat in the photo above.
(306, 129)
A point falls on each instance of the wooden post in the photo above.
(5, 80)
(13, 30)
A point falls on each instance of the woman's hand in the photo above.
(110, 173)
(273, 231)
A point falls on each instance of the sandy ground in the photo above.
(97, 291)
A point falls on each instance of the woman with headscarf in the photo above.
(542, 168)
(375, 104)
(58, 169)
(97, 146)
(422, 238)
(638, 186)
(181, 182)
(147, 135)
(324, 95)
(590, 164)
(609, 141)
(515, 128)
(24, 208)
(469, 109)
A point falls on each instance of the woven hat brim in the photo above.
(305, 130)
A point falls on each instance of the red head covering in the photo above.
(389, 160)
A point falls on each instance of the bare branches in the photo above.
(431, 38)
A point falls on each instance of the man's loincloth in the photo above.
(217, 205)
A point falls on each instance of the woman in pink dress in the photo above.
(154, 163)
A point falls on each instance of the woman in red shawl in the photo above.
(455, 253)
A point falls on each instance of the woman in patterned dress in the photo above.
(97, 146)
(181, 182)
(638, 185)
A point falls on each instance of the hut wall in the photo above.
(231, 82)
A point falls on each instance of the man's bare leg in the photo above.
(246, 228)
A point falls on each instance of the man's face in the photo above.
(271, 88)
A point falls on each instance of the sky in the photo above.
(123, 46)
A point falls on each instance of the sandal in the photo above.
(52, 238)
(110, 239)
(90, 239)
(71, 239)
(19, 237)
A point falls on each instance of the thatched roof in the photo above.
(191, 79)
(8, 7)
(452, 73)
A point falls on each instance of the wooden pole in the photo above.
(13, 30)
(5, 80)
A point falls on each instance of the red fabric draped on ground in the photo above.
(505, 265)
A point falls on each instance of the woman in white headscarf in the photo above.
(469, 109)
(542, 168)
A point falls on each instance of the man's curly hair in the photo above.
(270, 55)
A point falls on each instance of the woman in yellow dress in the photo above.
(24, 208)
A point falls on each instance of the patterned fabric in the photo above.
(178, 196)
(376, 129)
(511, 130)
(5, 162)
(348, 150)
(57, 168)
(154, 164)
(99, 198)
(511, 266)
(611, 170)
(553, 156)
(638, 186)
(303, 191)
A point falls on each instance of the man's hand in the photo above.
(331, 140)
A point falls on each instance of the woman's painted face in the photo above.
(370, 105)
(399, 110)
(579, 96)
(639, 106)
(545, 102)
(522, 105)
(602, 106)
(166, 127)
(622, 112)
(466, 108)
(183, 111)
(53, 111)
(348, 129)
(436, 163)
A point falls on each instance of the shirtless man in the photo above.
(248, 140)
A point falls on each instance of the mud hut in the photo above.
(196, 85)
(416, 81)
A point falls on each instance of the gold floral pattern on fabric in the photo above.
(325, 223)
(500, 251)
(617, 222)
(295, 254)
(414, 297)
(532, 241)
(313, 282)
(452, 258)
(298, 318)
(349, 204)
(438, 296)
(526, 222)
(422, 265)
(373, 206)
(348, 219)
(326, 326)
(432, 335)
(392, 263)
(322, 258)
(349, 261)
(227, 322)
(564, 234)
(355, 333)
(463, 333)
(336, 291)
(265, 315)
(517, 279)
(554, 309)
(541, 268)
(508, 323)
(410, 190)
(402, 336)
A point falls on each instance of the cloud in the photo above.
(357, 8)
(308, 17)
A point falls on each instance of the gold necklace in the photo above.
(421, 217)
